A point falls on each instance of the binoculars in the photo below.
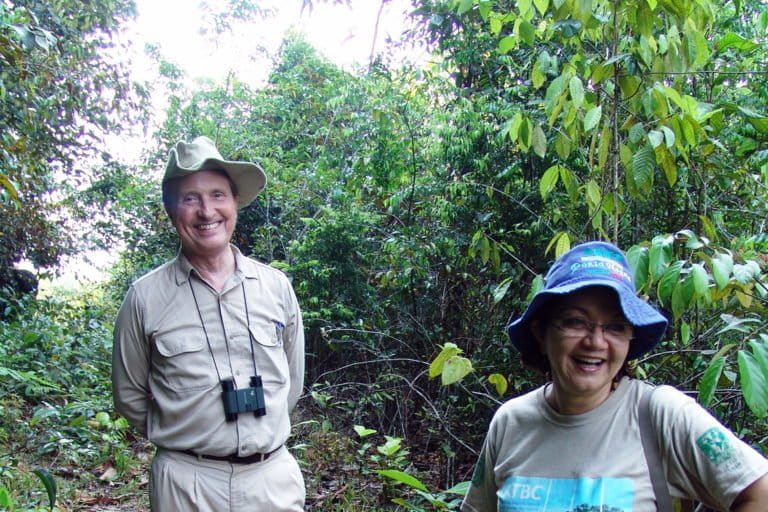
(242, 400)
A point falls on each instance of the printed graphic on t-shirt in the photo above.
(535, 494)
(715, 445)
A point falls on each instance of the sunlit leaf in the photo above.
(448, 350)
(576, 88)
(501, 290)
(592, 118)
(362, 431)
(455, 369)
(403, 478)
(539, 141)
(722, 266)
(500, 382)
(549, 181)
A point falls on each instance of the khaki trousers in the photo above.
(185, 483)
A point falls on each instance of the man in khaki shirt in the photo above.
(208, 357)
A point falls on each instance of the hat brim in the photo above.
(648, 323)
(249, 178)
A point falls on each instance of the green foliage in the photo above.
(60, 92)
(55, 398)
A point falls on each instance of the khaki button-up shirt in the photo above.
(176, 338)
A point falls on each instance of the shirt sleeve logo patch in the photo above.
(715, 445)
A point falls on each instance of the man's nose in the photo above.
(204, 209)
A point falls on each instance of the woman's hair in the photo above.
(535, 359)
(171, 190)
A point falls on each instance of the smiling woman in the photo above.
(565, 441)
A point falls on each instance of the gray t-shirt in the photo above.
(535, 459)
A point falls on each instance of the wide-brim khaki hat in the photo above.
(186, 158)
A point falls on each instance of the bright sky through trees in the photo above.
(342, 33)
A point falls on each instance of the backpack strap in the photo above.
(652, 455)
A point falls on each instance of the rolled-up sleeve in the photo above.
(130, 363)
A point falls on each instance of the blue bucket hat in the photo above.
(593, 264)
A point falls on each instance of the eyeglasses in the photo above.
(578, 327)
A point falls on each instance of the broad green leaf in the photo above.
(687, 290)
(754, 384)
(507, 44)
(569, 181)
(700, 279)
(485, 249)
(536, 286)
(541, 6)
(636, 133)
(448, 350)
(9, 187)
(527, 33)
(677, 301)
(576, 88)
(514, 128)
(655, 137)
(594, 196)
(702, 49)
(539, 141)
(6, 502)
(645, 51)
(501, 290)
(733, 40)
(464, 6)
(49, 483)
(403, 478)
(722, 266)
(524, 6)
(562, 145)
(708, 382)
(643, 163)
(638, 258)
(669, 281)
(455, 369)
(745, 273)
(660, 256)
(537, 75)
(592, 118)
(555, 90)
(549, 181)
(500, 382)
(362, 431)
(667, 162)
(563, 245)
(460, 488)
(760, 351)
(709, 228)
(734, 323)
(685, 333)
(391, 446)
(745, 299)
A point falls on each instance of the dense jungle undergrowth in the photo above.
(62, 446)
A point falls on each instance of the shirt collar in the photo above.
(183, 268)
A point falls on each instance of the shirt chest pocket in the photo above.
(183, 363)
(271, 361)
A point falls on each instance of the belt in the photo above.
(234, 458)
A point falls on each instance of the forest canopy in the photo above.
(414, 207)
